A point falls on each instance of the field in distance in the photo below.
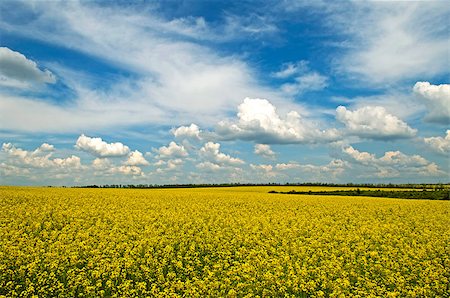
(238, 241)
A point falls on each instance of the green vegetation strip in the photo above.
(443, 194)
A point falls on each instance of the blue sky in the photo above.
(224, 91)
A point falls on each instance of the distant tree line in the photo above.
(438, 186)
(425, 194)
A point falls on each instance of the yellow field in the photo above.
(220, 242)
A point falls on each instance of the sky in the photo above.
(174, 92)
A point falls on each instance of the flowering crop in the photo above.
(236, 242)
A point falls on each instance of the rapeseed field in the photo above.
(234, 242)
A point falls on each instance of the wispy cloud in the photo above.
(212, 92)
(176, 78)
(391, 42)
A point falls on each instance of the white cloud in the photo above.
(135, 158)
(18, 71)
(399, 103)
(211, 152)
(234, 27)
(104, 167)
(201, 84)
(290, 69)
(399, 158)
(46, 148)
(30, 115)
(191, 131)
(393, 41)
(389, 158)
(312, 81)
(101, 164)
(208, 166)
(331, 170)
(39, 158)
(264, 150)
(391, 164)
(169, 165)
(437, 100)
(374, 123)
(13, 171)
(287, 166)
(128, 170)
(100, 148)
(252, 25)
(439, 144)
(172, 151)
(303, 79)
(159, 163)
(174, 163)
(69, 162)
(259, 121)
(265, 168)
(362, 157)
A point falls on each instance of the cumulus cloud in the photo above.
(8, 170)
(264, 150)
(136, 158)
(362, 157)
(287, 166)
(101, 164)
(172, 151)
(191, 131)
(374, 123)
(104, 167)
(38, 166)
(439, 144)
(159, 163)
(265, 168)
(208, 166)
(389, 158)
(100, 148)
(334, 168)
(211, 152)
(18, 71)
(259, 121)
(174, 163)
(128, 170)
(45, 148)
(391, 164)
(168, 165)
(69, 162)
(437, 100)
(39, 158)
(295, 171)
(399, 158)
(331, 170)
